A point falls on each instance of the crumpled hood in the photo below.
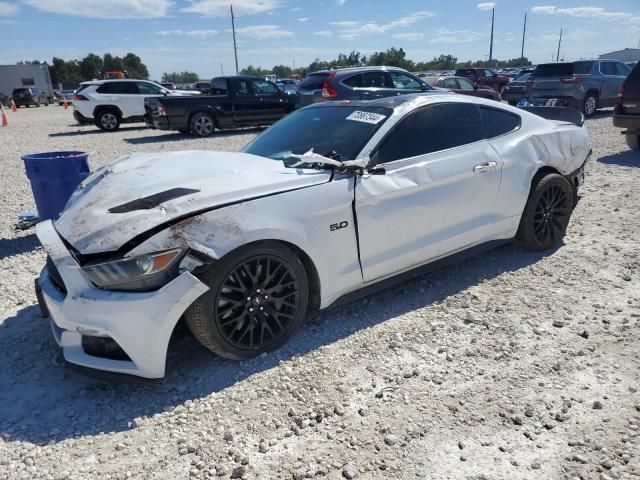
(220, 178)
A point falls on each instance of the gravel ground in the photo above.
(509, 365)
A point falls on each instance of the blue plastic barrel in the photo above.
(54, 176)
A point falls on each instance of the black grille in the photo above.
(54, 275)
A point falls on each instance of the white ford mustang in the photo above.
(333, 198)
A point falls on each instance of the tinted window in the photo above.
(562, 69)
(262, 87)
(313, 81)
(608, 68)
(145, 88)
(622, 69)
(498, 122)
(127, 88)
(404, 81)
(241, 87)
(374, 80)
(582, 68)
(219, 86)
(523, 77)
(465, 84)
(489, 73)
(20, 90)
(325, 129)
(353, 82)
(467, 72)
(431, 129)
(449, 83)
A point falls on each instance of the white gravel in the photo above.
(510, 365)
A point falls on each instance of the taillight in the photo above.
(162, 112)
(80, 98)
(327, 89)
(574, 80)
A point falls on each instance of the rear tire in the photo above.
(546, 213)
(202, 125)
(633, 140)
(108, 120)
(258, 296)
(589, 104)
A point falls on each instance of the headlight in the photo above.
(142, 273)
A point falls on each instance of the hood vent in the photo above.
(146, 203)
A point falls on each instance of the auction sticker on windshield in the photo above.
(366, 117)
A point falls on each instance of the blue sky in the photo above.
(175, 35)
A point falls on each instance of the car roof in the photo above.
(358, 69)
(109, 80)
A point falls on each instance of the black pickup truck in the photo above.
(236, 101)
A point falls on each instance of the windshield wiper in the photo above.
(310, 157)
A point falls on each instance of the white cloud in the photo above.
(303, 19)
(102, 9)
(295, 9)
(263, 31)
(220, 8)
(486, 6)
(340, 2)
(598, 13)
(455, 37)
(354, 29)
(7, 9)
(409, 37)
(323, 33)
(188, 33)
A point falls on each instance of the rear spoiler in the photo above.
(563, 114)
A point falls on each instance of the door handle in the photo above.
(485, 167)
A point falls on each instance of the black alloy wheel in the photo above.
(257, 302)
(551, 215)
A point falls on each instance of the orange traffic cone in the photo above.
(66, 105)
(5, 118)
(13, 106)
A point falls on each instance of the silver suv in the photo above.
(585, 85)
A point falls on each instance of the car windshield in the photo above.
(336, 131)
(522, 78)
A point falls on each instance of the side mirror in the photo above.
(424, 87)
(476, 86)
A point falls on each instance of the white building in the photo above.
(16, 76)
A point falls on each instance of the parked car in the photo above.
(330, 200)
(288, 85)
(237, 101)
(27, 96)
(585, 84)
(484, 76)
(626, 113)
(464, 86)
(202, 87)
(65, 95)
(359, 83)
(516, 90)
(108, 103)
(169, 86)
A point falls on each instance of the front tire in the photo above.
(108, 120)
(589, 104)
(546, 214)
(633, 140)
(202, 125)
(258, 296)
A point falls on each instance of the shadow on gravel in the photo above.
(630, 158)
(602, 114)
(185, 136)
(15, 246)
(92, 131)
(41, 402)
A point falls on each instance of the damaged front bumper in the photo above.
(138, 325)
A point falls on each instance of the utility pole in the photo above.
(559, 43)
(235, 47)
(221, 69)
(493, 12)
(524, 31)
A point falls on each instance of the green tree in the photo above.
(254, 71)
(393, 57)
(134, 67)
(91, 67)
(180, 77)
(282, 71)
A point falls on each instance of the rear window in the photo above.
(562, 69)
(219, 86)
(466, 72)
(313, 81)
(119, 88)
(498, 122)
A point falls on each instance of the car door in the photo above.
(120, 94)
(271, 100)
(374, 84)
(434, 191)
(245, 104)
